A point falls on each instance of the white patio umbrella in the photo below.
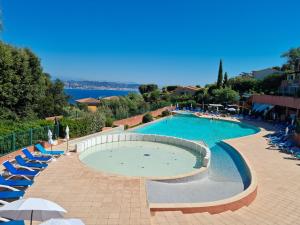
(67, 137)
(231, 109)
(63, 222)
(286, 130)
(33, 209)
(50, 140)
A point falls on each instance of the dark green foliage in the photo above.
(187, 103)
(171, 88)
(18, 134)
(8, 126)
(225, 95)
(90, 123)
(124, 106)
(166, 113)
(25, 90)
(271, 83)
(298, 126)
(293, 59)
(147, 88)
(147, 118)
(244, 84)
(225, 81)
(54, 101)
(109, 122)
(220, 75)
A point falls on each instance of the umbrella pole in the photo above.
(31, 217)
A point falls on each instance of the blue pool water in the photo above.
(226, 164)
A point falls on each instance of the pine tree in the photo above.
(225, 81)
(220, 75)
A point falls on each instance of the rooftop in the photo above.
(88, 100)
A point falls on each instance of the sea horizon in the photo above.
(78, 93)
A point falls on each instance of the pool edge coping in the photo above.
(244, 198)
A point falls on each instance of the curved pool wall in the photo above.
(97, 144)
(228, 175)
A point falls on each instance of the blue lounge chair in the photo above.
(34, 165)
(47, 152)
(31, 157)
(15, 183)
(13, 222)
(16, 172)
(13, 193)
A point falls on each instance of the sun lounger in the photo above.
(14, 222)
(5, 221)
(13, 193)
(15, 183)
(13, 171)
(31, 157)
(47, 152)
(34, 165)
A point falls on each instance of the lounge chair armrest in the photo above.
(9, 187)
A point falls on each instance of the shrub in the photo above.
(166, 113)
(89, 124)
(298, 126)
(147, 118)
(126, 127)
(109, 122)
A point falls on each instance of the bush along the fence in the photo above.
(21, 139)
(166, 113)
(91, 123)
(147, 118)
(298, 127)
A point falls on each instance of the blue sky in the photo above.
(160, 41)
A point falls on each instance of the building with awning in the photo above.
(216, 106)
(284, 106)
(259, 107)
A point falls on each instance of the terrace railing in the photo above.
(21, 139)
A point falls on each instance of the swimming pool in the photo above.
(142, 158)
(228, 173)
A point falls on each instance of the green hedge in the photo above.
(298, 127)
(166, 113)
(7, 126)
(147, 118)
(89, 124)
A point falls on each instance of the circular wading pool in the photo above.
(142, 158)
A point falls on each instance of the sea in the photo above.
(84, 93)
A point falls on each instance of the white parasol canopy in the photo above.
(50, 140)
(67, 133)
(231, 109)
(33, 209)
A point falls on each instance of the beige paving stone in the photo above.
(99, 198)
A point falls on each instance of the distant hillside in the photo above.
(97, 85)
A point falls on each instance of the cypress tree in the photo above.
(220, 75)
(225, 81)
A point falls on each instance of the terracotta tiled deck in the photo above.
(94, 197)
(99, 198)
(278, 198)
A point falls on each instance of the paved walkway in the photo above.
(94, 197)
(99, 198)
(278, 198)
